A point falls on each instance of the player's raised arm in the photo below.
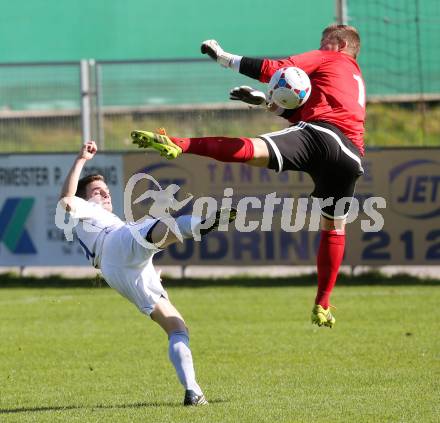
(87, 152)
(245, 65)
(215, 52)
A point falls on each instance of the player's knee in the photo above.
(167, 317)
(329, 224)
(160, 235)
(260, 149)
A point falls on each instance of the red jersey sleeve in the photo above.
(308, 62)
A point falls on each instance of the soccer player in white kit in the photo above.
(126, 264)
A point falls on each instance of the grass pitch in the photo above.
(87, 355)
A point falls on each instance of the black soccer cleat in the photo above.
(191, 398)
(222, 216)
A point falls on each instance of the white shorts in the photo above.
(127, 266)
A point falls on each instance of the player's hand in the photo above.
(248, 95)
(215, 52)
(211, 48)
(88, 150)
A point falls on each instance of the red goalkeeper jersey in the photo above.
(338, 91)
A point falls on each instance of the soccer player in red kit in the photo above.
(325, 140)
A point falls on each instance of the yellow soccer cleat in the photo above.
(322, 316)
(159, 142)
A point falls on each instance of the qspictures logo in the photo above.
(13, 232)
(164, 203)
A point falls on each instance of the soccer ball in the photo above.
(289, 88)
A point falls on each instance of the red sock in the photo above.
(330, 255)
(223, 149)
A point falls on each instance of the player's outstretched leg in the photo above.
(159, 142)
(221, 216)
(188, 226)
(224, 149)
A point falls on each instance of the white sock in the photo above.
(234, 64)
(181, 357)
(187, 224)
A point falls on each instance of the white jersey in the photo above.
(94, 223)
(125, 263)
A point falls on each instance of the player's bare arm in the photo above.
(87, 152)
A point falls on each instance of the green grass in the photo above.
(393, 125)
(87, 355)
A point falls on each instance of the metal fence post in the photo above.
(341, 12)
(99, 107)
(85, 100)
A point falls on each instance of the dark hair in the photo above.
(81, 191)
(344, 33)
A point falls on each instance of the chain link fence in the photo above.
(39, 106)
(53, 107)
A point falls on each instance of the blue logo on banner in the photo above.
(415, 189)
(13, 233)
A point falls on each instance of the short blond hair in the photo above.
(345, 33)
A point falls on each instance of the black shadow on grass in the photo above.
(98, 407)
(36, 409)
(9, 280)
(78, 407)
